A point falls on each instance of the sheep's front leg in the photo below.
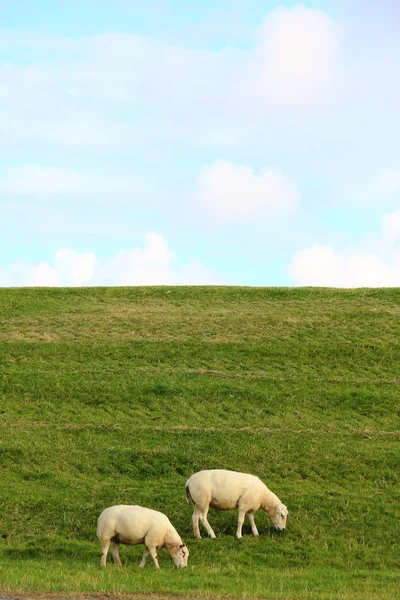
(241, 516)
(153, 554)
(115, 553)
(145, 555)
(105, 544)
(252, 523)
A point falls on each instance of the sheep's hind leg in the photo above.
(105, 544)
(115, 553)
(204, 520)
(252, 523)
(195, 521)
(145, 555)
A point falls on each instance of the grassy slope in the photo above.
(117, 395)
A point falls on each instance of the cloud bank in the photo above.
(154, 264)
(377, 266)
(73, 91)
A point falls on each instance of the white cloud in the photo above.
(154, 264)
(387, 183)
(21, 273)
(150, 265)
(234, 191)
(42, 274)
(42, 180)
(380, 267)
(318, 265)
(74, 268)
(297, 55)
(390, 231)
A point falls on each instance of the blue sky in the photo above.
(224, 142)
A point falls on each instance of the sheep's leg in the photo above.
(105, 544)
(153, 554)
(241, 516)
(115, 553)
(204, 520)
(252, 523)
(145, 555)
(195, 521)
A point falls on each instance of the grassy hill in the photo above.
(117, 395)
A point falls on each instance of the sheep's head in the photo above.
(279, 516)
(180, 555)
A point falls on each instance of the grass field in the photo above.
(117, 395)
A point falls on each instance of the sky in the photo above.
(219, 142)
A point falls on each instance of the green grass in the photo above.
(117, 395)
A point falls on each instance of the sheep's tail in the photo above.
(189, 498)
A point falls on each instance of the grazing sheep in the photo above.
(225, 490)
(133, 525)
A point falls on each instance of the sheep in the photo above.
(125, 524)
(225, 490)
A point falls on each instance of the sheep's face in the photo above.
(180, 555)
(279, 517)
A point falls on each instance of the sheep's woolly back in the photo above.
(128, 519)
(225, 486)
(132, 525)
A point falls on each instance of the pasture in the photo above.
(118, 395)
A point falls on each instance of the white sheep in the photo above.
(225, 490)
(125, 524)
